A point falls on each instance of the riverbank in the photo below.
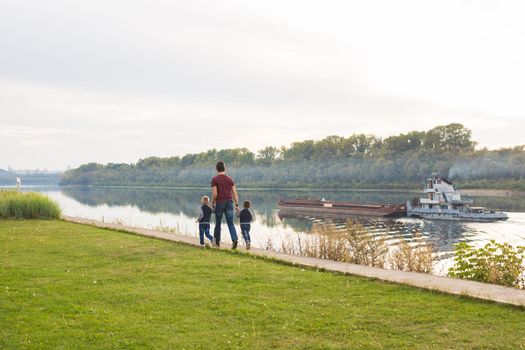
(67, 285)
(412, 189)
(492, 193)
(455, 286)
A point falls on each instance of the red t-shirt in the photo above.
(224, 185)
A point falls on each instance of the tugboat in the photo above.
(442, 202)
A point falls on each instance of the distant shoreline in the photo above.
(492, 192)
(466, 191)
(299, 189)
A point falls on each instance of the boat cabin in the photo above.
(440, 193)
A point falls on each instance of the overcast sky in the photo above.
(115, 81)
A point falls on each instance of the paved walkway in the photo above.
(443, 284)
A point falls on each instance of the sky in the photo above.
(119, 80)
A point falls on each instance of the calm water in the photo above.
(176, 208)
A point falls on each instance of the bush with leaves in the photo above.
(495, 263)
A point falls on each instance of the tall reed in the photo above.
(416, 256)
(27, 205)
(354, 244)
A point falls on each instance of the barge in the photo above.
(315, 207)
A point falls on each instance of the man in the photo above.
(224, 194)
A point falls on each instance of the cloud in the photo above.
(76, 126)
(120, 80)
(24, 132)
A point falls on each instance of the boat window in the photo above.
(444, 207)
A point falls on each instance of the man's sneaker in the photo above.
(248, 245)
(234, 245)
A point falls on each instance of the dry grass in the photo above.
(417, 256)
(168, 229)
(354, 244)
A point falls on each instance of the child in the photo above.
(247, 217)
(204, 220)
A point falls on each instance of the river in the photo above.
(176, 208)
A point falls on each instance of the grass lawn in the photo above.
(69, 286)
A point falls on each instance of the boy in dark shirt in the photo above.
(204, 220)
(246, 217)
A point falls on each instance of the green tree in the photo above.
(300, 150)
(267, 155)
(449, 137)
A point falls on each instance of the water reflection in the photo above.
(442, 234)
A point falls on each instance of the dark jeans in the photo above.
(226, 209)
(245, 230)
(204, 229)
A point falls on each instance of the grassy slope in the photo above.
(64, 285)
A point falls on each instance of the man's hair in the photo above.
(220, 167)
(247, 204)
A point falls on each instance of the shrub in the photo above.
(328, 243)
(27, 205)
(416, 257)
(364, 248)
(352, 243)
(494, 263)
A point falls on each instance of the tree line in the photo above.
(357, 161)
(8, 178)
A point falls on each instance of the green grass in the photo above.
(27, 205)
(69, 286)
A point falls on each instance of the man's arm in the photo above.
(213, 195)
(235, 196)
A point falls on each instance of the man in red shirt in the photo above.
(224, 194)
